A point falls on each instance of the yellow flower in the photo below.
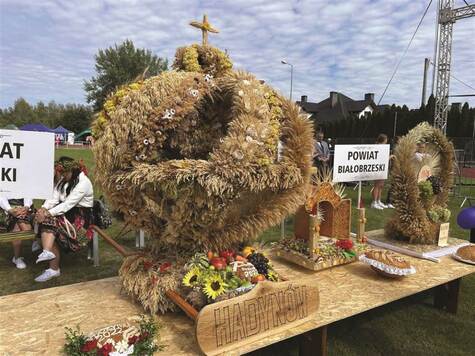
(109, 105)
(191, 277)
(134, 86)
(120, 93)
(213, 286)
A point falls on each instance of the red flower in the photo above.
(90, 233)
(105, 350)
(345, 244)
(147, 265)
(165, 266)
(143, 336)
(133, 339)
(79, 222)
(89, 346)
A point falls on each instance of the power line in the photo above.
(466, 3)
(405, 52)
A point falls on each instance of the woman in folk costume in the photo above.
(64, 221)
(19, 216)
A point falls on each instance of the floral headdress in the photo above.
(67, 166)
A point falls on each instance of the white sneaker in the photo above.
(390, 206)
(19, 263)
(47, 275)
(45, 256)
(35, 246)
(375, 205)
(382, 205)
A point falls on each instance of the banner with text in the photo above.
(26, 164)
(353, 163)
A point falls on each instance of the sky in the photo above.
(47, 47)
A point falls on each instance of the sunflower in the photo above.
(191, 277)
(213, 286)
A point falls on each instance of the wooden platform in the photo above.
(33, 323)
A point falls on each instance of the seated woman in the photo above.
(64, 220)
(19, 217)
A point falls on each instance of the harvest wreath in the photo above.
(420, 185)
(191, 156)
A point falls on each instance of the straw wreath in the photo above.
(191, 155)
(411, 220)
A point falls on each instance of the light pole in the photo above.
(283, 61)
(291, 75)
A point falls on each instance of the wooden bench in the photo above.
(15, 236)
(93, 252)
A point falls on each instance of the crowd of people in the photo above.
(62, 222)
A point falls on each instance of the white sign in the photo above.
(353, 163)
(26, 164)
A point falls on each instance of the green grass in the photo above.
(408, 327)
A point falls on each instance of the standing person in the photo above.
(389, 201)
(379, 184)
(321, 153)
(420, 152)
(19, 215)
(65, 219)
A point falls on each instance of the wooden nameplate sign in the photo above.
(268, 309)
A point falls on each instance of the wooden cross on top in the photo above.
(205, 27)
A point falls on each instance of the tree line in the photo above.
(460, 122)
(74, 117)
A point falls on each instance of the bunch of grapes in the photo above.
(436, 184)
(259, 261)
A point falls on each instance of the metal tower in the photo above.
(447, 17)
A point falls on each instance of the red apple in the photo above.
(227, 253)
(241, 258)
(218, 262)
(258, 278)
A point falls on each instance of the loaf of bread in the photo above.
(388, 258)
(467, 253)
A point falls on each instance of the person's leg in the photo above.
(54, 263)
(374, 192)
(16, 244)
(376, 195)
(17, 259)
(380, 193)
(47, 240)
